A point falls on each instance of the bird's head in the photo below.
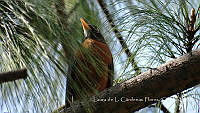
(91, 31)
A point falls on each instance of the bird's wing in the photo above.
(110, 74)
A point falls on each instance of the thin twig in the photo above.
(13, 75)
(163, 108)
(160, 106)
(118, 35)
(177, 103)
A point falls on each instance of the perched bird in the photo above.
(93, 69)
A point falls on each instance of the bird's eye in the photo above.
(95, 28)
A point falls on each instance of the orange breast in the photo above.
(101, 52)
(99, 49)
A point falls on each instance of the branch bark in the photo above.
(147, 88)
(13, 75)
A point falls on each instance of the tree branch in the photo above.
(147, 88)
(63, 16)
(60, 9)
(13, 75)
(119, 36)
(73, 9)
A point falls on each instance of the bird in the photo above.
(93, 69)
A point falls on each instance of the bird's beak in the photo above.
(85, 27)
(84, 24)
